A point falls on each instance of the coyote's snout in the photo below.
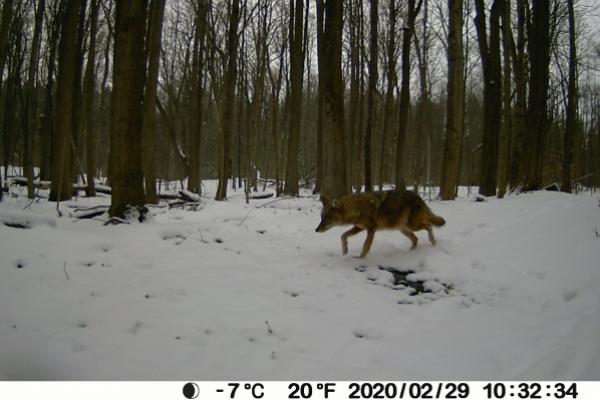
(403, 210)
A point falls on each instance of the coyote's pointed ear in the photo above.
(325, 200)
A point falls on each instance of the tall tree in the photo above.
(47, 119)
(517, 165)
(392, 81)
(506, 132)
(455, 103)
(129, 72)
(335, 180)
(320, 5)
(296, 33)
(412, 11)
(31, 118)
(228, 100)
(354, 113)
(537, 111)
(492, 93)
(572, 104)
(153, 40)
(89, 101)
(5, 22)
(195, 179)
(62, 149)
(422, 124)
(371, 92)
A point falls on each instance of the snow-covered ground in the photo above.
(236, 291)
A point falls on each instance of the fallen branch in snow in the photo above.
(115, 221)
(269, 328)
(189, 196)
(168, 196)
(261, 195)
(194, 206)
(65, 269)
(88, 213)
(261, 206)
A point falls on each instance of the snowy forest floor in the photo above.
(236, 291)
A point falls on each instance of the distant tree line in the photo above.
(329, 95)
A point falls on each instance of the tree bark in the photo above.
(62, 149)
(229, 82)
(492, 94)
(153, 40)
(371, 92)
(335, 180)
(295, 113)
(517, 165)
(31, 117)
(392, 81)
(506, 133)
(320, 5)
(194, 176)
(5, 22)
(572, 105)
(129, 73)
(89, 101)
(354, 127)
(537, 111)
(408, 30)
(455, 104)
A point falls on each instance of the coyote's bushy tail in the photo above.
(437, 221)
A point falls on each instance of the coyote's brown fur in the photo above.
(403, 210)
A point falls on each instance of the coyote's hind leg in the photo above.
(368, 242)
(430, 234)
(411, 236)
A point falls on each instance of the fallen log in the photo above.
(88, 213)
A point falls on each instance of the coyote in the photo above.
(403, 210)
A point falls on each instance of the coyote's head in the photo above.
(330, 214)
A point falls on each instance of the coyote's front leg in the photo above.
(351, 232)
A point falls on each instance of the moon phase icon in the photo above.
(191, 390)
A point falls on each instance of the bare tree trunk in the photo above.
(492, 93)
(89, 100)
(62, 149)
(537, 112)
(105, 93)
(224, 158)
(335, 180)
(392, 81)
(573, 96)
(517, 165)
(321, 96)
(153, 40)
(127, 108)
(455, 103)
(354, 101)
(506, 134)
(5, 22)
(31, 117)
(371, 91)
(296, 74)
(422, 127)
(48, 117)
(413, 10)
(195, 177)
